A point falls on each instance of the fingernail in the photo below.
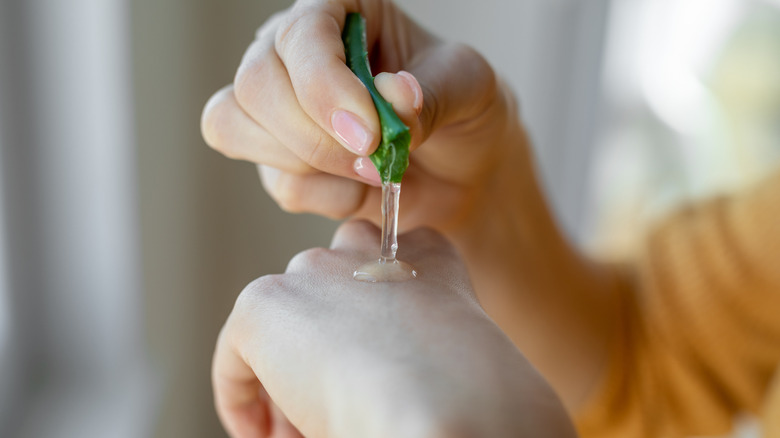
(413, 85)
(366, 170)
(352, 131)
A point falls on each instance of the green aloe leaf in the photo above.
(392, 156)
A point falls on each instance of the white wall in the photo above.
(69, 200)
(550, 52)
(207, 227)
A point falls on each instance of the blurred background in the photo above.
(124, 240)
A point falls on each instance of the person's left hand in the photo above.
(315, 351)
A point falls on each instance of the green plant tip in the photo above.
(392, 156)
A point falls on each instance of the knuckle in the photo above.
(271, 24)
(305, 260)
(259, 294)
(356, 229)
(290, 205)
(215, 121)
(285, 32)
(352, 199)
(252, 74)
(301, 167)
(287, 194)
(305, 83)
(320, 153)
(429, 110)
(347, 196)
(480, 68)
(343, 211)
(300, 21)
(269, 178)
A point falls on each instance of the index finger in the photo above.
(310, 46)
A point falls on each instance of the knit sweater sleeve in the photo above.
(700, 330)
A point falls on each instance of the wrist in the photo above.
(508, 215)
(553, 302)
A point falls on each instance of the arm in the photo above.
(344, 358)
(558, 306)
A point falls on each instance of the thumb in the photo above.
(404, 93)
(444, 85)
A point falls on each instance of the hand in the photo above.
(298, 111)
(317, 352)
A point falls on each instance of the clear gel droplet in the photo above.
(387, 268)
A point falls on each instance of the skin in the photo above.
(471, 174)
(336, 357)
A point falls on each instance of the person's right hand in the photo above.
(297, 110)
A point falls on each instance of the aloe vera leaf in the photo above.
(392, 156)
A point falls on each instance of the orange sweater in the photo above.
(700, 337)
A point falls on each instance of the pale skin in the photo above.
(471, 175)
(341, 358)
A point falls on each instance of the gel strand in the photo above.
(387, 268)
